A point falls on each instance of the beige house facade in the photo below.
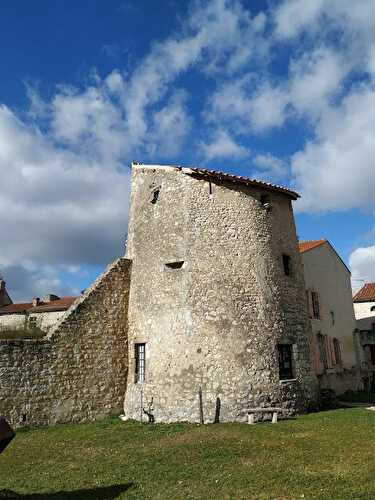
(329, 296)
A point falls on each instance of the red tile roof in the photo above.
(238, 179)
(304, 246)
(366, 293)
(15, 308)
(55, 305)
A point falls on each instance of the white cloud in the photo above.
(56, 207)
(270, 167)
(223, 146)
(294, 15)
(171, 126)
(64, 193)
(257, 106)
(335, 171)
(362, 264)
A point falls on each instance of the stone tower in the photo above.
(217, 313)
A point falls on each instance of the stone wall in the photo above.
(78, 371)
(214, 323)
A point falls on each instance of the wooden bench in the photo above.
(251, 412)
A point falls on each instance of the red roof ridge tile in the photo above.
(305, 245)
(366, 293)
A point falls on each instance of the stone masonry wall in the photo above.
(215, 322)
(78, 371)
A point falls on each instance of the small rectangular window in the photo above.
(175, 265)
(32, 322)
(315, 305)
(287, 264)
(140, 363)
(285, 361)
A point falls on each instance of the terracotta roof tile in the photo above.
(241, 180)
(55, 305)
(304, 246)
(15, 308)
(366, 293)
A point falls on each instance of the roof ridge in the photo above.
(226, 176)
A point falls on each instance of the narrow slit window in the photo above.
(332, 318)
(155, 196)
(285, 361)
(265, 200)
(140, 363)
(175, 265)
(287, 264)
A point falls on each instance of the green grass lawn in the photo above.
(325, 455)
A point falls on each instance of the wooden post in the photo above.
(201, 418)
(217, 411)
(250, 418)
(274, 417)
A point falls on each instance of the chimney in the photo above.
(4, 297)
(50, 297)
(36, 301)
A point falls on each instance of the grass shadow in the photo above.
(103, 493)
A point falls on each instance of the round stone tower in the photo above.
(217, 314)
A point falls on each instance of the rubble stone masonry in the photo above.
(78, 371)
(210, 300)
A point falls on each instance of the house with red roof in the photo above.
(329, 298)
(364, 308)
(41, 314)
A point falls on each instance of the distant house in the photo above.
(41, 314)
(330, 305)
(364, 308)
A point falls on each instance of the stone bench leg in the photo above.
(250, 418)
(274, 417)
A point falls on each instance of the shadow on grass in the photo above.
(104, 493)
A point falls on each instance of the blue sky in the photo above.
(282, 91)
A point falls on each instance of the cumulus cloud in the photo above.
(65, 181)
(63, 163)
(57, 208)
(362, 264)
(223, 146)
(270, 167)
(336, 170)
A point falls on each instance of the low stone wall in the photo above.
(78, 371)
